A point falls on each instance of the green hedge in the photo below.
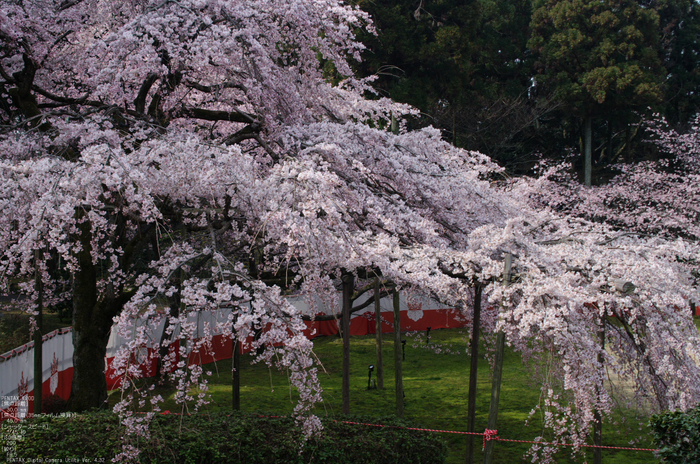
(677, 434)
(220, 438)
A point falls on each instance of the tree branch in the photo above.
(250, 131)
(67, 4)
(140, 102)
(57, 98)
(214, 115)
(333, 317)
(624, 234)
(217, 87)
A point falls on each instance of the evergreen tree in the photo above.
(680, 53)
(463, 64)
(601, 59)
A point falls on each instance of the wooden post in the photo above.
(474, 362)
(587, 151)
(497, 372)
(348, 285)
(597, 416)
(394, 125)
(38, 334)
(397, 354)
(495, 395)
(378, 335)
(236, 348)
(236, 375)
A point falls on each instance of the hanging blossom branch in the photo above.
(192, 139)
(253, 306)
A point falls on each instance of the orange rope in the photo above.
(487, 434)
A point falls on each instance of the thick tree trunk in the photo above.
(91, 328)
(92, 322)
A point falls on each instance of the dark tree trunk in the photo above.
(91, 328)
(92, 322)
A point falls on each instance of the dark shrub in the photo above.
(220, 438)
(53, 404)
(678, 435)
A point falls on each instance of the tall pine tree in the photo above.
(601, 59)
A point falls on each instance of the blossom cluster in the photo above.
(162, 158)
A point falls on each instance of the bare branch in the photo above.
(250, 131)
(214, 115)
(57, 98)
(67, 4)
(333, 317)
(624, 234)
(559, 241)
(140, 102)
(217, 87)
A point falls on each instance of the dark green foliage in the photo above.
(14, 331)
(14, 328)
(678, 435)
(463, 64)
(231, 437)
(680, 52)
(601, 60)
(468, 68)
(598, 55)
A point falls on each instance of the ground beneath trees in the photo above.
(435, 383)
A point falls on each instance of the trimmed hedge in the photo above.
(677, 434)
(221, 438)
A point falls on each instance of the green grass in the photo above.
(436, 388)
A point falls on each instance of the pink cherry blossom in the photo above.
(172, 156)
